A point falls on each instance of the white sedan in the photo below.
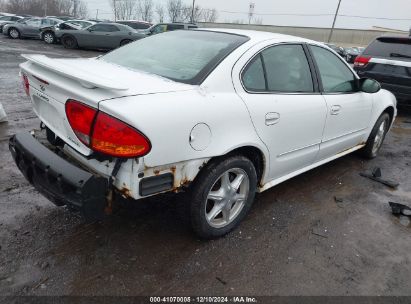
(218, 114)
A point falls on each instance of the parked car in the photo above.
(351, 54)
(137, 25)
(52, 34)
(30, 28)
(338, 49)
(100, 36)
(388, 60)
(5, 29)
(168, 27)
(7, 20)
(218, 114)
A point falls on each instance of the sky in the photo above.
(323, 10)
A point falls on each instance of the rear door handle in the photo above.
(335, 110)
(272, 118)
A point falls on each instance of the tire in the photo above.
(217, 216)
(377, 137)
(14, 33)
(69, 42)
(49, 38)
(126, 41)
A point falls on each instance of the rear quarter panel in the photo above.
(167, 119)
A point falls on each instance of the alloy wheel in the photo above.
(379, 137)
(227, 198)
(48, 38)
(14, 33)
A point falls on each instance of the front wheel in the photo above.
(222, 196)
(14, 33)
(377, 136)
(49, 38)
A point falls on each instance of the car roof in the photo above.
(259, 36)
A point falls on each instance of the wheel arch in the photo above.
(254, 154)
(390, 111)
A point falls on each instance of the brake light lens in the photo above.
(113, 137)
(361, 61)
(81, 118)
(104, 133)
(26, 84)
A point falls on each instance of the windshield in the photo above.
(183, 56)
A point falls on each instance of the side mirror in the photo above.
(368, 85)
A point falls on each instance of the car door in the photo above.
(100, 36)
(285, 105)
(349, 109)
(31, 27)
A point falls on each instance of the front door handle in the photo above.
(272, 118)
(335, 110)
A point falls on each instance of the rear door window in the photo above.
(282, 68)
(389, 47)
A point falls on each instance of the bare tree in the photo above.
(210, 15)
(258, 20)
(160, 12)
(146, 10)
(123, 9)
(47, 7)
(3, 5)
(175, 10)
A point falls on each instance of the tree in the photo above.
(123, 9)
(77, 8)
(160, 12)
(175, 10)
(146, 10)
(209, 15)
(258, 20)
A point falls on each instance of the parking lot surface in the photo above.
(297, 240)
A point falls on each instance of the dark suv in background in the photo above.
(388, 60)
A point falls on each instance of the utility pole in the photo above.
(251, 12)
(45, 8)
(97, 14)
(192, 11)
(335, 19)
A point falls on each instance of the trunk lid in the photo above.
(90, 81)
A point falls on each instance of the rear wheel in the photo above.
(377, 136)
(124, 42)
(69, 42)
(49, 38)
(222, 196)
(14, 33)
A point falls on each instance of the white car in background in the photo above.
(220, 114)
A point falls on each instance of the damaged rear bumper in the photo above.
(57, 179)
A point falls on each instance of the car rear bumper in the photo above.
(57, 179)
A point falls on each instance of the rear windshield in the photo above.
(390, 47)
(183, 56)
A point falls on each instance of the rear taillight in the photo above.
(361, 61)
(104, 133)
(81, 118)
(26, 84)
